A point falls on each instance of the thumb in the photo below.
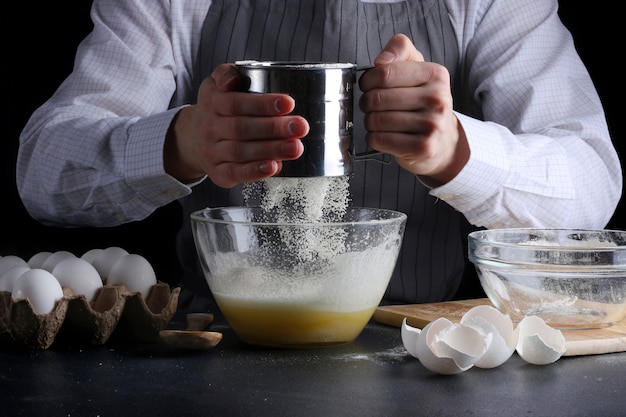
(399, 48)
(226, 77)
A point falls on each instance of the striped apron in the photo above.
(433, 256)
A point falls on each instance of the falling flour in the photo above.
(308, 206)
(307, 200)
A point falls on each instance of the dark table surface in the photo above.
(372, 376)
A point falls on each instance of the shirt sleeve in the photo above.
(92, 155)
(541, 153)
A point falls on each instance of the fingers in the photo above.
(403, 74)
(226, 79)
(409, 112)
(402, 121)
(244, 149)
(231, 151)
(400, 64)
(433, 96)
(242, 136)
(240, 104)
(234, 103)
(251, 128)
(399, 48)
(264, 161)
(402, 133)
(245, 116)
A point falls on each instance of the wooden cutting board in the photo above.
(577, 342)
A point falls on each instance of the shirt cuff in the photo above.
(144, 160)
(483, 175)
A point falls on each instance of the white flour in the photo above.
(308, 201)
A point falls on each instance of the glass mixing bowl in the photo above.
(571, 278)
(294, 283)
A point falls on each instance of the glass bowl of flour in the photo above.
(286, 277)
(571, 278)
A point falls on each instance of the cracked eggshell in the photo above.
(465, 344)
(447, 348)
(409, 337)
(489, 319)
(538, 343)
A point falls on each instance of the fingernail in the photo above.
(292, 126)
(225, 83)
(267, 168)
(280, 106)
(289, 149)
(385, 57)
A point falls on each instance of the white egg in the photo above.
(56, 257)
(78, 275)
(135, 272)
(7, 280)
(40, 287)
(490, 320)
(9, 261)
(37, 260)
(104, 261)
(538, 343)
(91, 254)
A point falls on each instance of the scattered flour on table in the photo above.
(396, 354)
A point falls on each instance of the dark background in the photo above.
(39, 42)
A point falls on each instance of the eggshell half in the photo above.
(447, 348)
(539, 343)
(409, 335)
(490, 320)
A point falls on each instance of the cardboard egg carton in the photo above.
(114, 310)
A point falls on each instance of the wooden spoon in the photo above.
(194, 336)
